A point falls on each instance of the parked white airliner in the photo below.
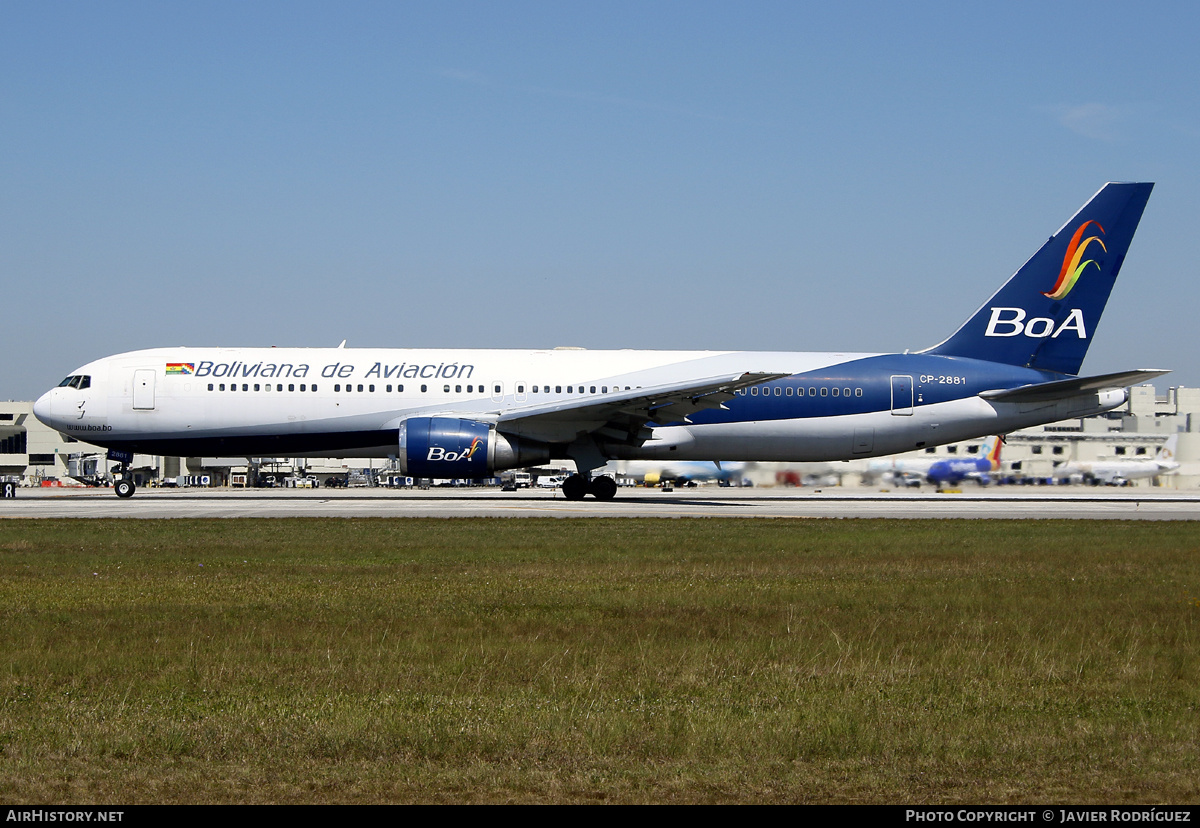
(1121, 471)
(471, 413)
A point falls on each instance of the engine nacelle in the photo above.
(450, 447)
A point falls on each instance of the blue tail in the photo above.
(1044, 317)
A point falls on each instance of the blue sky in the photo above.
(775, 176)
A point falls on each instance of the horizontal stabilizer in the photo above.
(1063, 389)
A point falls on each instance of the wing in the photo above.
(625, 416)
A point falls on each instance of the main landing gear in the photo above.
(578, 486)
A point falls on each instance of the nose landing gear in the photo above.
(124, 487)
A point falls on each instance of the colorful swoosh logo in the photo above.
(474, 447)
(1073, 264)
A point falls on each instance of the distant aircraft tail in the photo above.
(1044, 317)
(1166, 452)
(992, 451)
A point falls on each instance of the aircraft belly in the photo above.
(255, 430)
(812, 439)
(872, 434)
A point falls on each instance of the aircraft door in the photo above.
(902, 395)
(143, 389)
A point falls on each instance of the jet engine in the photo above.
(450, 447)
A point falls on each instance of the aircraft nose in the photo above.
(41, 408)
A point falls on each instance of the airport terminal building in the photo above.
(37, 455)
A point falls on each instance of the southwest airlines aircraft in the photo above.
(471, 413)
(945, 470)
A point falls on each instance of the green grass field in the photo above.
(494, 660)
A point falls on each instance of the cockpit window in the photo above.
(67, 382)
(79, 381)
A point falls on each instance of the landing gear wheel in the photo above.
(124, 488)
(603, 488)
(575, 487)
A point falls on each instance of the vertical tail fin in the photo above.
(1045, 315)
(1166, 452)
(993, 451)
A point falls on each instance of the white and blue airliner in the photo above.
(471, 413)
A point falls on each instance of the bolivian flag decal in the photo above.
(184, 368)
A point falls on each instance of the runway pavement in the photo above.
(995, 503)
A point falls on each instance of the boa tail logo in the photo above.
(1073, 264)
(471, 451)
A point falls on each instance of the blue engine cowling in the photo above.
(450, 447)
